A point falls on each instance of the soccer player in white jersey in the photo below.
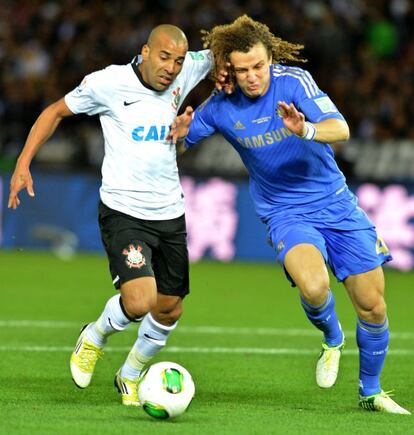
(141, 213)
(281, 124)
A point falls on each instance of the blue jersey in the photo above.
(285, 172)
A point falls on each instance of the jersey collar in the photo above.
(139, 75)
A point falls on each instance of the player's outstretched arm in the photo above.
(179, 129)
(328, 131)
(42, 129)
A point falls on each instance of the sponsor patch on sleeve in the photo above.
(196, 55)
(325, 104)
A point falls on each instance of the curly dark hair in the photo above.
(241, 35)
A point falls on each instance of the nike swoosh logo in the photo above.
(110, 323)
(128, 103)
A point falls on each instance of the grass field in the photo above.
(243, 337)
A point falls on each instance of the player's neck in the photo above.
(137, 71)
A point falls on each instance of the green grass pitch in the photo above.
(243, 336)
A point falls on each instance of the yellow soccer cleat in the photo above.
(128, 389)
(327, 366)
(381, 402)
(83, 360)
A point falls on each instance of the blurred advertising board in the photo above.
(221, 220)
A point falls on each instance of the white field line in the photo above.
(208, 350)
(213, 330)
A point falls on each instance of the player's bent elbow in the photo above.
(59, 109)
(347, 133)
(341, 133)
(344, 132)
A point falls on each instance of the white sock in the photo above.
(112, 320)
(152, 337)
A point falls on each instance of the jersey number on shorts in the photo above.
(381, 247)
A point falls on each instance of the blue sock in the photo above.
(324, 318)
(372, 340)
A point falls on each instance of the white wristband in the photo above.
(310, 131)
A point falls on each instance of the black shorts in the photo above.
(138, 248)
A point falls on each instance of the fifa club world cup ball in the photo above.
(165, 390)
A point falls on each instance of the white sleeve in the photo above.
(197, 65)
(90, 96)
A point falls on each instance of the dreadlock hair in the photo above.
(241, 35)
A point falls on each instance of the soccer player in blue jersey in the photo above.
(281, 124)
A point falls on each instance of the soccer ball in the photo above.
(165, 390)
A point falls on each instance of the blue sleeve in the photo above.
(311, 101)
(203, 123)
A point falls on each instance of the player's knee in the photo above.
(139, 296)
(379, 313)
(169, 318)
(170, 313)
(176, 313)
(137, 305)
(315, 291)
(375, 313)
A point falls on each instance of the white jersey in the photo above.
(139, 170)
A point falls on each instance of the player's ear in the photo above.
(145, 51)
(269, 57)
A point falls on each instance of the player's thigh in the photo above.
(170, 261)
(302, 251)
(306, 266)
(128, 245)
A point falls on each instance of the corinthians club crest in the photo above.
(134, 258)
(176, 98)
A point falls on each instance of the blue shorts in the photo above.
(342, 232)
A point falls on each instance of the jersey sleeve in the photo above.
(91, 96)
(203, 124)
(197, 65)
(310, 100)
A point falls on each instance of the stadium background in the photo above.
(243, 335)
(360, 52)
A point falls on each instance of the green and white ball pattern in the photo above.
(165, 390)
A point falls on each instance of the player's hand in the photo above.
(223, 80)
(21, 179)
(292, 118)
(180, 126)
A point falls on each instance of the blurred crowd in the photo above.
(361, 52)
